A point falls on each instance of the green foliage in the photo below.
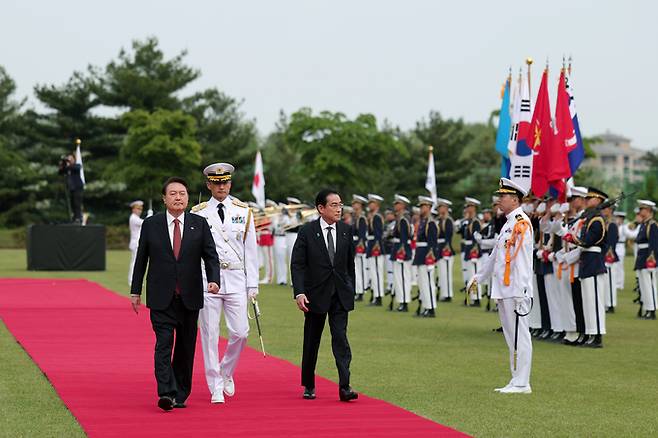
(158, 145)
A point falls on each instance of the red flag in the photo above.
(550, 164)
(565, 138)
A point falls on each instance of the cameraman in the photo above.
(74, 185)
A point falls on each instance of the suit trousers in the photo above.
(313, 327)
(174, 375)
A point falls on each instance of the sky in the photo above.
(398, 60)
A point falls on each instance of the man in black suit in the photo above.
(322, 267)
(173, 245)
(74, 185)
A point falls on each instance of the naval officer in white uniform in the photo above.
(135, 225)
(232, 225)
(510, 268)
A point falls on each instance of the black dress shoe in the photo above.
(475, 303)
(346, 394)
(651, 314)
(179, 405)
(309, 393)
(429, 313)
(582, 339)
(358, 298)
(403, 307)
(594, 342)
(446, 299)
(166, 403)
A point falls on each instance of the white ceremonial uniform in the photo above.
(135, 225)
(280, 249)
(514, 300)
(620, 249)
(238, 256)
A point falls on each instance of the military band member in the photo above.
(359, 237)
(389, 230)
(645, 262)
(280, 222)
(265, 240)
(591, 240)
(445, 250)
(610, 258)
(135, 225)
(232, 226)
(375, 249)
(469, 247)
(510, 267)
(401, 254)
(425, 257)
(293, 226)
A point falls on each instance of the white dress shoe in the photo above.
(217, 397)
(229, 386)
(504, 387)
(516, 390)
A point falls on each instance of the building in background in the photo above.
(617, 159)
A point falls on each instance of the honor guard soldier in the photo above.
(391, 224)
(280, 222)
(401, 254)
(645, 262)
(444, 249)
(359, 237)
(265, 241)
(425, 257)
(375, 248)
(232, 226)
(620, 248)
(486, 240)
(135, 225)
(591, 272)
(510, 267)
(469, 247)
(292, 228)
(610, 258)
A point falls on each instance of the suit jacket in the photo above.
(312, 271)
(165, 272)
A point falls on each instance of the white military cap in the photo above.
(375, 198)
(620, 213)
(270, 203)
(443, 201)
(506, 186)
(360, 199)
(564, 207)
(252, 204)
(400, 198)
(137, 203)
(471, 201)
(555, 208)
(292, 200)
(219, 172)
(415, 210)
(495, 199)
(425, 200)
(645, 203)
(541, 208)
(579, 191)
(347, 209)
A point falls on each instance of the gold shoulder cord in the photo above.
(246, 227)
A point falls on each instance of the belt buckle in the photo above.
(224, 265)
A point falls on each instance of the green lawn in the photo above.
(444, 369)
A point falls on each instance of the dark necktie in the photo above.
(330, 245)
(220, 210)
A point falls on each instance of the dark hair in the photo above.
(321, 198)
(174, 179)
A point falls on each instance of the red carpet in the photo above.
(99, 357)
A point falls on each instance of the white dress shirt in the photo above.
(170, 227)
(324, 226)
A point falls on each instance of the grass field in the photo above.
(444, 369)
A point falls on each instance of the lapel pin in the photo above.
(318, 234)
(191, 228)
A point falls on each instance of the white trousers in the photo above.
(565, 301)
(534, 318)
(267, 255)
(234, 306)
(402, 281)
(594, 304)
(553, 299)
(414, 275)
(610, 286)
(131, 267)
(445, 277)
(280, 259)
(427, 286)
(376, 267)
(389, 274)
(618, 267)
(648, 288)
(291, 238)
(520, 333)
(360, 274)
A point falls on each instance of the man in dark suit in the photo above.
(322, 267)
(173, 244)
(74, 185)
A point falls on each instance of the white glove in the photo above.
(541, 208)
(540, 254)
(252, 293)
(522, 305)
(477, 236)
(551, 256)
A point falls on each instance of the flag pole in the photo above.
(528, 62)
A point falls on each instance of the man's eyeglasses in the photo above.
(335, 205)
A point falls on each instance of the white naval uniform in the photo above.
(280, 249)
(135, 225)
(238, 258)
(515, 297)
(620, 249)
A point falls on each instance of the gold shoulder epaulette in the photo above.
(239, 203)
(199, 207)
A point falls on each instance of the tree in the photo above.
(158, 145)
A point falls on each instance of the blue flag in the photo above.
(503, 135)
(577, 153)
